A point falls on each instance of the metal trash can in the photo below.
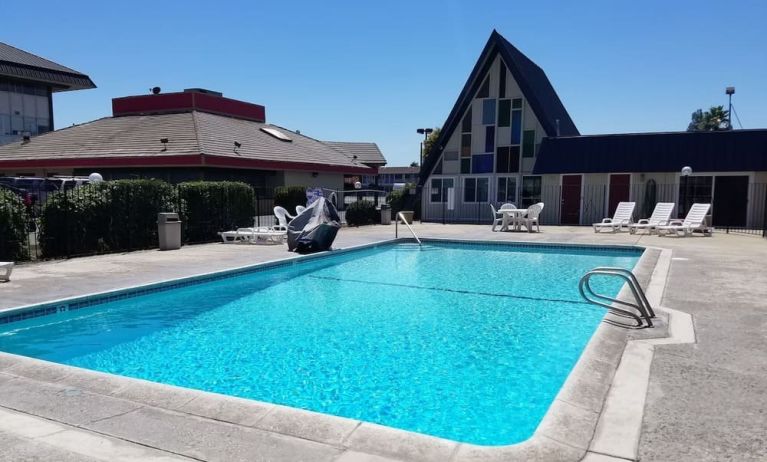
(385, 214)
(169, 231)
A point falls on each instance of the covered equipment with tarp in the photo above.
(315, 229)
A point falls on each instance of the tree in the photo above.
(715, 119)
(414, 164)
(429, 143)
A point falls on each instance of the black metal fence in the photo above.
(740, 209)
(88, 221)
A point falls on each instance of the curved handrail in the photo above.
(396, 223)
(642, 306)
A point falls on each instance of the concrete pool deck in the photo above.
(706, 401)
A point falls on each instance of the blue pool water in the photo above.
(466, 342)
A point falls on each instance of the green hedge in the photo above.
(104, 217)
(212, 206)
(289, 197)
(361, 213)
(13, 227)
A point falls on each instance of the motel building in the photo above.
(195, 134)
(509, 138)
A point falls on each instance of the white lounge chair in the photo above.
(661, 215)
(621, 218)
(497, 217)
(6, 268)
(530, 218)
(695, 219)
(276, 233)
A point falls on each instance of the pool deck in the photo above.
(705, 400)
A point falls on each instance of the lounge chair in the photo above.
(6, 268)
(695, 219)
(660, 216)
(276, 233)
(497, 217)
(530, 217)
(621, 218)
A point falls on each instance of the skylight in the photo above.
(276, 133)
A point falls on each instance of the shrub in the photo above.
(396, 200)
(103, 217)
(289, 197)
(13, 227)
(208, 207)
(361, 213)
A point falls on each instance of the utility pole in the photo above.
(729, 91)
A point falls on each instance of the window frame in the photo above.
(443, 190)
(475, 178)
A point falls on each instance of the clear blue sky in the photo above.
(376, 71)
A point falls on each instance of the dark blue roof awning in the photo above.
(724, 151)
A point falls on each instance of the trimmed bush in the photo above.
(208, 207)
(13, 227)
(361, 213)
(396, 200)
(104, 217)
(289, 197)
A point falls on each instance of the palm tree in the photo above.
(715, 119)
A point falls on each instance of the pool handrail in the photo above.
(396, 229)
(642, 305)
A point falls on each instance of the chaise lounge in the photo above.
(622, 217)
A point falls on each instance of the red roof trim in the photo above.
(179, 161)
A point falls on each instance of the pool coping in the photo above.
(565, 432)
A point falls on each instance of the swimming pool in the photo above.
(469, 342)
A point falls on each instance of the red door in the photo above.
(620, 190)
(571, 200)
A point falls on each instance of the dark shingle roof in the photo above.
(726, 151)
(533, 82)
(367, 153)
(191, 133)
(20, 64)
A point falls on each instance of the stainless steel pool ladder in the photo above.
(396, 227)
(642, 305)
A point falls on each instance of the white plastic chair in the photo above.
(695, 219)
(283, 217)
(622, 217)
(497, 217)
(661, 215)
(531, 217)
(7, 268)
(300, 209)
(508, 206)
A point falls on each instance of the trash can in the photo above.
(408, 216)
(169, 231)
(385, 214)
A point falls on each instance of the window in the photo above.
(482, 163)
(466, 123)
(484, 90)
(475, 189)
(502, 81)
(507, 189)
(504, 113)
(276, 133)
(528, 143)
(439, 187)
(694, 189)
(516, 126)
(488, 112)
(531, 190)
(507, 159)
(490, 138)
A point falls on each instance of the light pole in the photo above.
(729, 91)
(425, 132)
(686, 172)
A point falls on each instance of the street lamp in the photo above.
(729, 91)
(686, 172)
(425, 132)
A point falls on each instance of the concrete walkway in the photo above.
(706, 401)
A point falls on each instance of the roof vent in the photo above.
(276, 133)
